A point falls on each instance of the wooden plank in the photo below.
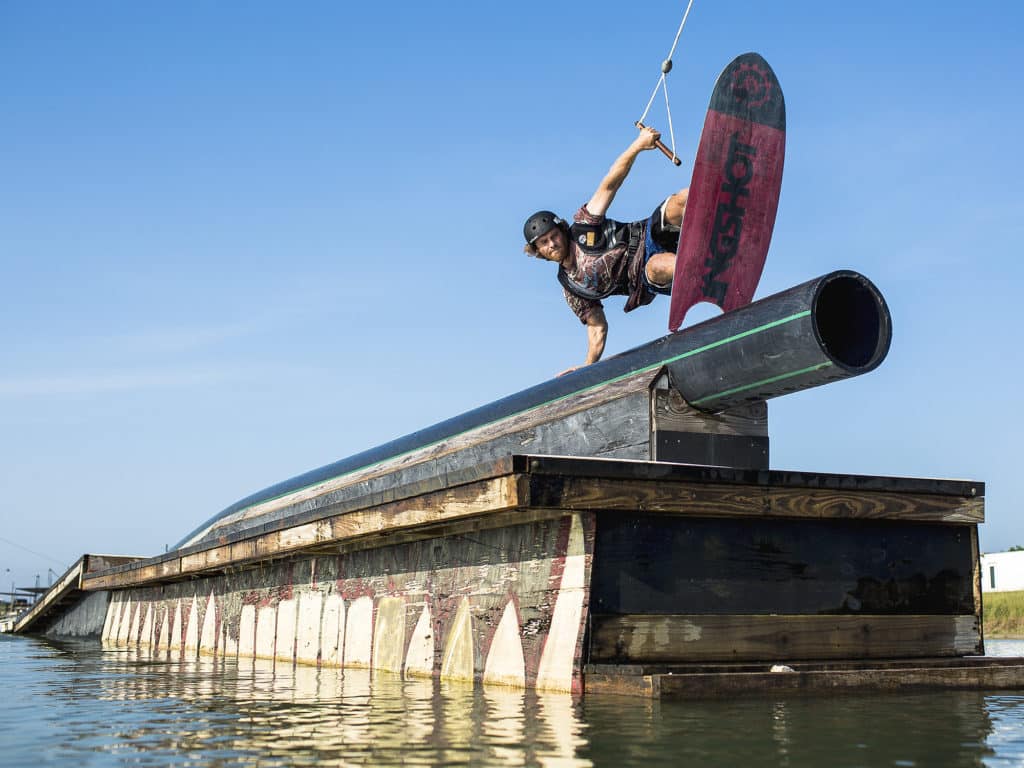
(446, 506)
(642, 686)
(721, 500)
(350, 498)
(967, 676)
(461, 527)
(978, 601)
(95, 563)
(818, 665)
(670, 412)
(570, 466)
(652, 639)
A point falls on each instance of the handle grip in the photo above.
(664, 150)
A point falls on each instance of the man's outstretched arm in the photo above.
(602, 198)
(597, 333)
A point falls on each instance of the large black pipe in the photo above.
(827, 329)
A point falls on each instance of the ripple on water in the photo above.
(79, 704)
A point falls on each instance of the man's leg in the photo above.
(674, 208)
(660, 269)
(662, 242)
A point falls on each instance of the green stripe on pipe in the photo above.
(772, 380)
(651, 367)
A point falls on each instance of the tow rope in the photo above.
(666, 67)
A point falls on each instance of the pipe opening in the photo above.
(852, 322)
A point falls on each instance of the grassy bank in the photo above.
(1004, 614)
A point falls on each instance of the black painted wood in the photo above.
(737, 451)
(651, 564)
(571, 466)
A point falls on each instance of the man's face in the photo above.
(551, 245)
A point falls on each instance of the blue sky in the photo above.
(239, 241)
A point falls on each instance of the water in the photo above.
(81, 705)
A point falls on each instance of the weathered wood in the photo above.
(488, 496)
(870, 676)
(94, 563)
(737, 437)
(608, 469)
(66, 586)
(543, 482)
(662, 564)
(669, 411)
(652, 639)
(67, 589)
(502, 606)
(570, 466)
(816, 665)
(977, 576)
(459, 527)
(707, 500)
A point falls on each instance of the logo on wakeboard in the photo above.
(728, 225)
(751, 85)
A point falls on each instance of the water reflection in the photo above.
(82, 705)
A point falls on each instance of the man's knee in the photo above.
(660, 269)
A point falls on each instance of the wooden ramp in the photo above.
(55, 604)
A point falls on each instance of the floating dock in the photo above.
(616, 530)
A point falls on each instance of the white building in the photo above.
(1002, 572)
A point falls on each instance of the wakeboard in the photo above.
(734, 191)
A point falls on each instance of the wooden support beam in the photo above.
(728, 500)
(903, 676)
(638, 638)
(737, 437)
(383, 520)
(542, 485)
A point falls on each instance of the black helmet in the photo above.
(539, 225)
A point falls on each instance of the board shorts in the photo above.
(658, 239)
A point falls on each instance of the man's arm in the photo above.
(602, 198)
(597, 333)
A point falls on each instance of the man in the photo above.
(599, 257)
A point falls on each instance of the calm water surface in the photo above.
(79, 704)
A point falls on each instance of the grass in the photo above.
(1003, 614)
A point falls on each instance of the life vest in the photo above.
(598, 239)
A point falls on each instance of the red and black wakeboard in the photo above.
(734, 192)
